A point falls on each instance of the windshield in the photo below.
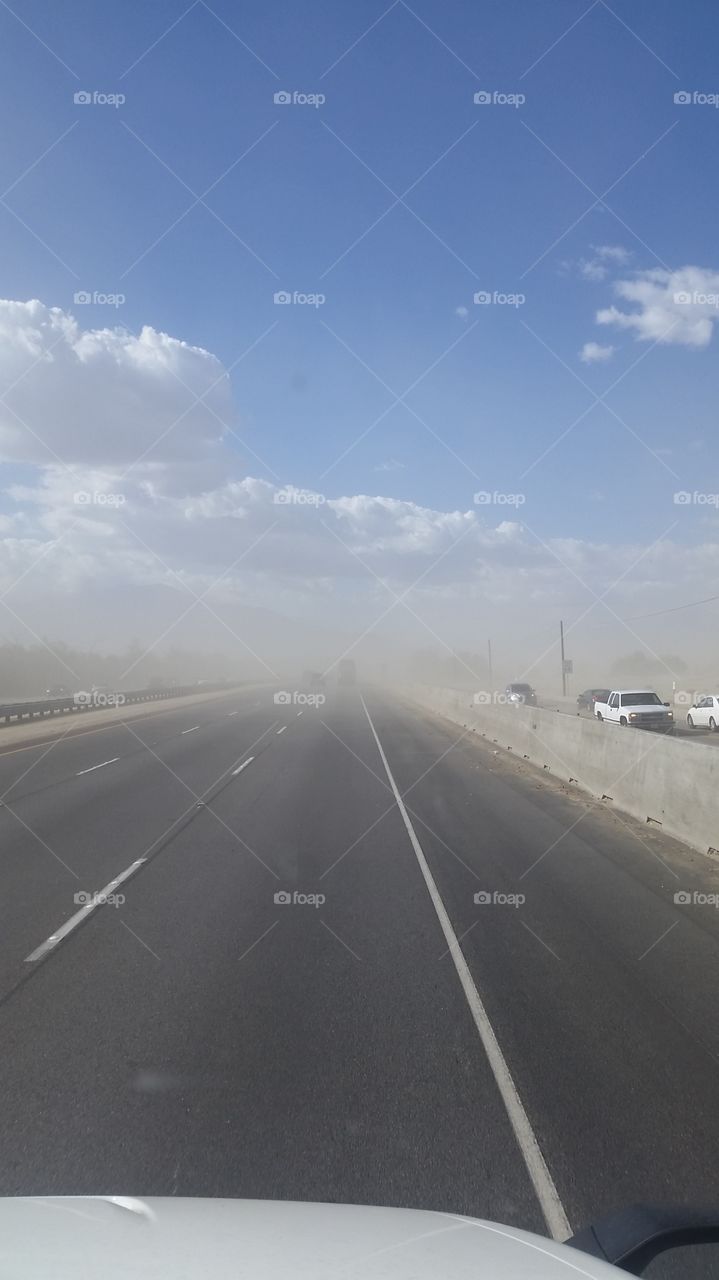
(355, 356)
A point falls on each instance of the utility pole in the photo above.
(564, 672)
(489, 659)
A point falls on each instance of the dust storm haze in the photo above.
(139, 544)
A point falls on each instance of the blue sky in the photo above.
(496, 385)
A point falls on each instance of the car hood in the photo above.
(81, 1238)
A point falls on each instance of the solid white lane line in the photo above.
(243, 765)
(95, 902)
(93, 767)
(192, 730)
(542, 1181)
(282, 729)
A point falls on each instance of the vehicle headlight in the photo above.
(670, 715)
(633, 715)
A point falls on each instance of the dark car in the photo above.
(586, 700)
(520, 695)
(313, 680)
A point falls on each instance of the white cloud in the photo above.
(605, 256)
(671, 307)
(390, 465)
(595, 353)
(185, 519)
(590, 269)
(95, 574)
(612, 253)
(240, 528)
(462, 312)
(105, 396)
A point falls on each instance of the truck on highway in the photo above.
(520, 695)
(636, 708)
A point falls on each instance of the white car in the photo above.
(704, 714)
(120, 1237)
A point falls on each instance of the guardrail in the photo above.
(17, 712)
(665, 782)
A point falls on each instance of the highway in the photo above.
(703, 734)
(382, 1038)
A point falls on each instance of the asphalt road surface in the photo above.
(382, 1038)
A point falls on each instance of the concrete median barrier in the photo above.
(670, 783)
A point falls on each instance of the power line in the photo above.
(677, 608)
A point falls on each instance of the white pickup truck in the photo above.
(641, 708)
